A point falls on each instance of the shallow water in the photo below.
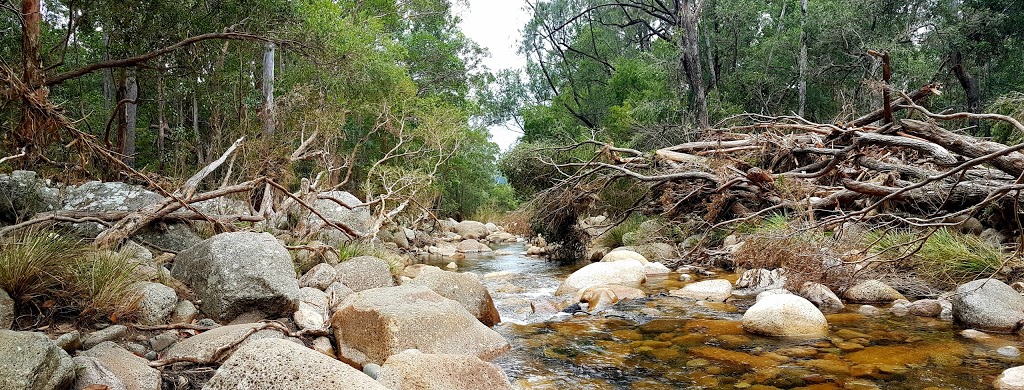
(664, 342)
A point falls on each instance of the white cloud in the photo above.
(496, 25)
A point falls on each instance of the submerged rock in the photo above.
(272, 364)
(372, 325)
(628, 272)
(597, 298)
(414, 370)
(785, 315)
(708, 290)
(233, 273)
(989, 305)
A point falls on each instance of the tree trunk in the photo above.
(108, 74)
(269, 116)
(803, 58)
(130, 111)
(162, 127)
(972, 91)
(33, 75)
(689, 13)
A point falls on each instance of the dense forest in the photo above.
(384, 87)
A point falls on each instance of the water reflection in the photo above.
(664, 342)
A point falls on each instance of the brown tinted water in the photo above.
(664, 342)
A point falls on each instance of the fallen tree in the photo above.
(912, 172)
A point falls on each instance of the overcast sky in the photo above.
(495, 25)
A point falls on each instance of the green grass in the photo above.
(946, 257)
(613, 237)
(774, 224)
(352, 249)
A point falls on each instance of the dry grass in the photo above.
(807, 256)
(46, 270)
(103, 283)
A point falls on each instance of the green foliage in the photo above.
(352, 249)
(1012, 105)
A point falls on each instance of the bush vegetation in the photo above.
(945, 258)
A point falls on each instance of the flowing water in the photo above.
(664, 342)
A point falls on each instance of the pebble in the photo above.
(372, 370)
(137, 349)
(106, 334)
(151, 355)
(973, 334)
(869, 310)
(1009, 351)
(452, 265)
(70, 341)
(685, 277)
(164, 340)
(206, 322)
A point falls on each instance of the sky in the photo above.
(495, 25)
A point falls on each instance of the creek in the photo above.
(664, 342)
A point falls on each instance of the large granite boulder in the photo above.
(988, 305)
(132, 370)
(116, 196)
(1010, 379)
(626, 272)
(203, 348)
(30, 361)
(372, 325)
(364, 272)
(273, 364)
(785, 315)
(342, 207)
(233, 273)
(471, 230)
(464, 288)
(6, 310)
(414, 370)
(23, 194)
(472, 246)
(619, 254)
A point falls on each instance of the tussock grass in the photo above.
(946, 258)
(44, 269)
(103, 283)
(33, 264)
(353, 249)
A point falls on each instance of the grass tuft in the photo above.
(947, 258)
(33, 263)
(613, 238)
(104, 282)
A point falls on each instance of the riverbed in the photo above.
(665, 342)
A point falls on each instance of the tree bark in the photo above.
(803, 58)
(33, 75)
(689, 13)
(130, 113)
(972, 91)
(269, 116)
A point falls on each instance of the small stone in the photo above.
(709, 290)
(972, 334)
(156, 302)
(452, 265)
(70, 342)
(164, 340)
(151, 355)
(323, 345)
(320, 277)
(872, 291)
(869, 310)
(685, 277)
(207, 322)
(372, 370)
(137, 349)
(1008, 351)
(184, 313)
(109, 333)
(925, 308)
